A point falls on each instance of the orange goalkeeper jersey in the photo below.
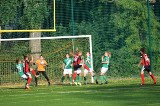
(41, 65)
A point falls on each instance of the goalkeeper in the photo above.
(41, 63)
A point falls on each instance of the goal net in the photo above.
(53, 50)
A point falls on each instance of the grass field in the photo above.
(118, 92)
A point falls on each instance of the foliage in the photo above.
(8, 11)
(122, 28)
(34, 13)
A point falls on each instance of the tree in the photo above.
(8, 12)
(34, 14)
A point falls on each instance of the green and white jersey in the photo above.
(106, 58)
(20, 69)
(88, 61)
(67, 62)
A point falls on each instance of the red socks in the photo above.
(74, 75)
(33, 72)
(152, 76)
(154, 79)
(29, 80)
(142, 77)
(86, 67)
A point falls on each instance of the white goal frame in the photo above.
(57, 37)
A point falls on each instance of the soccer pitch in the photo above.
(119, 92)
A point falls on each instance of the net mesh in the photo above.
(53, 50)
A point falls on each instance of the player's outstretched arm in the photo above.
(139, 63)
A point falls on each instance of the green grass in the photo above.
(119, 92)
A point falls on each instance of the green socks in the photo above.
(94, 77)
(62, 79)
(85, 80)
(105, 78)
(70, 79)
(101, 79)
(78, 78)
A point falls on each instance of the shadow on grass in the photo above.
(16, 88)
(97, 95)
(124, 95)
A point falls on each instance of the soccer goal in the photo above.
(53, 50)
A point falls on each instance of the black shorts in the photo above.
(76, 67)
(147, 68)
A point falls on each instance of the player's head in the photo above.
(142, 50)
(107, 54)
(87, 54)
(25, 57)
(67, 55)
(41, 57)
(79, 53)
(18, 61)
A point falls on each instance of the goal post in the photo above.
(36, 30)
(52, 48)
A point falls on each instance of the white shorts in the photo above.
(24, 76)
(104, 70)
(29, 74)
(79, 71)
(90, 70)
(67, 71)
(142, 69)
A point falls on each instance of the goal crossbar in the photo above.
(57, 37)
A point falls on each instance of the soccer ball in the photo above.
(42, 62)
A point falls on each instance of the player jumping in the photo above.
(76, 66)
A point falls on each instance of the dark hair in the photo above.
(18, 60)
(25, 57)
(143, 50)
